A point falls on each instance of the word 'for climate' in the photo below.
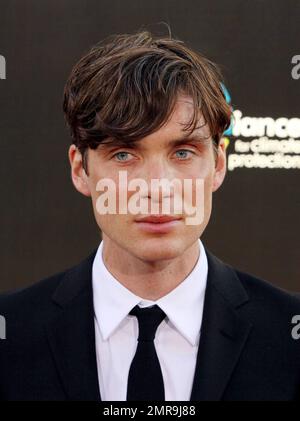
(2, 67)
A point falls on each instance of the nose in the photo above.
(158, 168)
(158, 175)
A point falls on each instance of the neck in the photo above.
(148, 280)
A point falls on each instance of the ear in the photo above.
(220, 166)
(78, 174)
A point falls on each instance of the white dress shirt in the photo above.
(176, 339)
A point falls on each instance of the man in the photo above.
(151, 314)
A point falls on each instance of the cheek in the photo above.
(201, 181)
(199, 200)
(112, 224)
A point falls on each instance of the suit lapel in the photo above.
(71, 334)
(223, 331)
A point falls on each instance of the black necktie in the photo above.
(145, 380)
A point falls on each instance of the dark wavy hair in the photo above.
(126, 86)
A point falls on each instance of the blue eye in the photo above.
(122, 156)
(122, 153)
(185, 151)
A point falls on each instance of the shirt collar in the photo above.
(183, 305)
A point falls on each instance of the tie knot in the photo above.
(149, 318)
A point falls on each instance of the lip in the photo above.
(158, 219)
(158, 227)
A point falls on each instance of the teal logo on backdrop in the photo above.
(227, 132)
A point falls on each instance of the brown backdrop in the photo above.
(46, 225)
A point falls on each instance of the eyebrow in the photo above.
(115, 143)
(194, 137)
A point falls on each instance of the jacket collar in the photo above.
(71, 334)
(223, 333)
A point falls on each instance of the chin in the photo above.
(160, 250)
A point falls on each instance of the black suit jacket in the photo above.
(246, 349)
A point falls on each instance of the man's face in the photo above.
(154, 157)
